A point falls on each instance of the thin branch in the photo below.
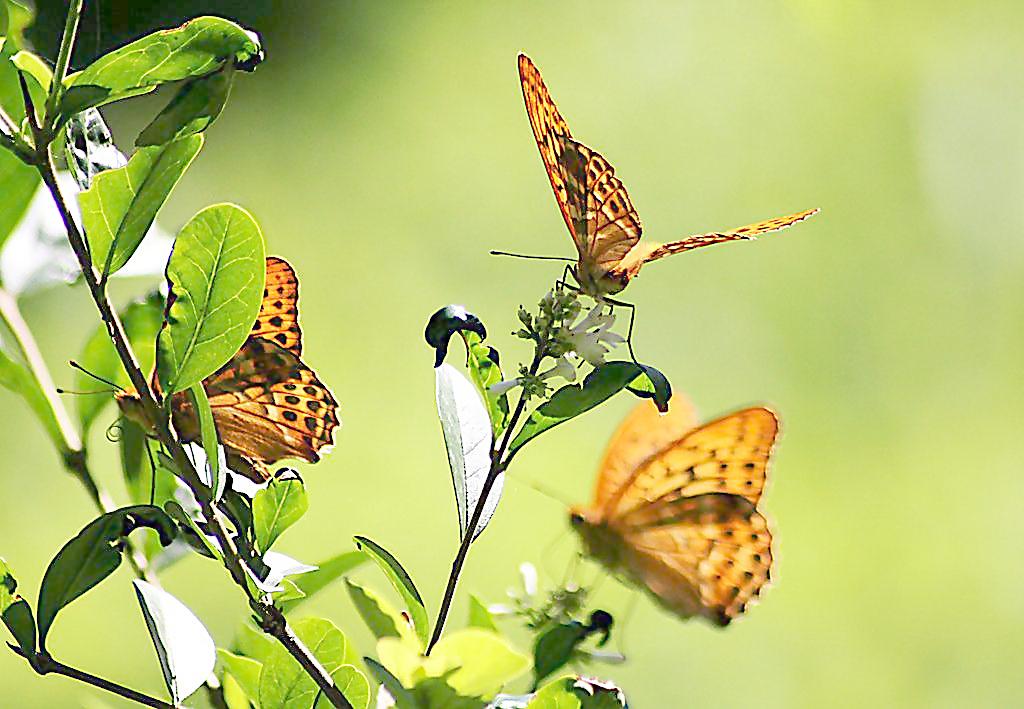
(497, 468)
(60, 70)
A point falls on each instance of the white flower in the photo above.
(591, 338)
(504, 386)
(563, 368)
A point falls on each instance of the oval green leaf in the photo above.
(353, 684)
(216, 275)
(277, 507)
(197, 104)
(402, 582)
(283, 682)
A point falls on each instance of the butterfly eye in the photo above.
(576, 519)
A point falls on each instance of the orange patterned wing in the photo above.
(610, 226)
(267, 405)
(749, 231)
(642, 434)
(549, 129)
(729, 456)
(711, 559)
(278, 319)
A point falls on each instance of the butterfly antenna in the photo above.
(84, 393)
(97, 377)
(534, 258)
(545, 491)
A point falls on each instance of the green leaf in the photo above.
(142, 321)
(652, 384)
(483, 661)
(121, 204)
(436, 693)
(33, 66)
(327, 572)
(197, 104)
(208, 434)
(14, 18)
(402, 696)
(91, 556)
(382, 620)
(176, 512)
(277, 507)
(558, 694)
(555, 647)
(254, 643)
(16, 612)
(402, 582)
(233, 694)
(197, 48)
(16, 377)
(283, 682)
(18, 182)
(479, 616)
(353, 684)
(446, 322)
(245, 670)
(485, 370)
(574, 399)
(216, 274)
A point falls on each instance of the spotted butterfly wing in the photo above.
(278, 319)
(676, 511)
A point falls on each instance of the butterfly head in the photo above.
(131, 406)
(600, 541)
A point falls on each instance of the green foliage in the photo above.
(197, 537)
(16, 377)
(283, 682)
(554, 648)
(245, 670)
(402, 583)
(197, 48)
(91, 556)
(193, 109)
(485, 371)
(208, 435)
(142, 321)
(479, 616)
(382, 620)
(353, 684)
(14, 18)
(277, 507)
(120, 205)
(216, 273)
(15, 611)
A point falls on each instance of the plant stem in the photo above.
(60, 71)
(497, 468)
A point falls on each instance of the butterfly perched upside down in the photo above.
(675, 511)
(596, 207)
(267, 404)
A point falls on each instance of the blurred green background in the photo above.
(384, 148)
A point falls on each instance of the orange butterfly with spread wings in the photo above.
(596, 207)
(267, 404)
(675, 511)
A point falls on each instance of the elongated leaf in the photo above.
(14, 18)
(479, 616)
(574, 399)
(142, 321)
(467, 437)
(382, 620)
(18, 182)
(327, 572)
(216, 273)
(402, 582)
(353, 684)
(554, 648)
(120, 205)
(208, 434)
(16, 612)
(15, 376)
(183, 645)
(198, 537)
(283, 682)
(197, 104)
(197, 48)
(402, 696)
(277, 507)
(245, 670)
(91, 556)
(485, 370)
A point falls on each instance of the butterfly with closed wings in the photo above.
(675, 511)
(267, 404)
(596, 207)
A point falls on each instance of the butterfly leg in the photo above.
(629, 331)
(563, 281)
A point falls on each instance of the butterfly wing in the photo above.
(642, 434)
(750, 231)
(711, 557)
(267, 405)
(278, 319)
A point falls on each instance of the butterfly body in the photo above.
(267, 404)
(675, 512)
(596, 207)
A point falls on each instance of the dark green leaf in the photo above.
(402, 696)
(327, 572)
(142, 320)
(14, 18)
(197, 539)
(208, 435)
(485, 370)
(216, 274)
(402, 582)
(436, 693)
(121, 205)
(16, 612)
(555, 647)
(445, 323)
(479, 616)
(382, 620)
(652, 384)
(353, 685)
(574, 399)
(283, 682)
(16, 377)
(277, 507)
(197, 48)
(196, 105)
(91, 556)
(245, 670)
